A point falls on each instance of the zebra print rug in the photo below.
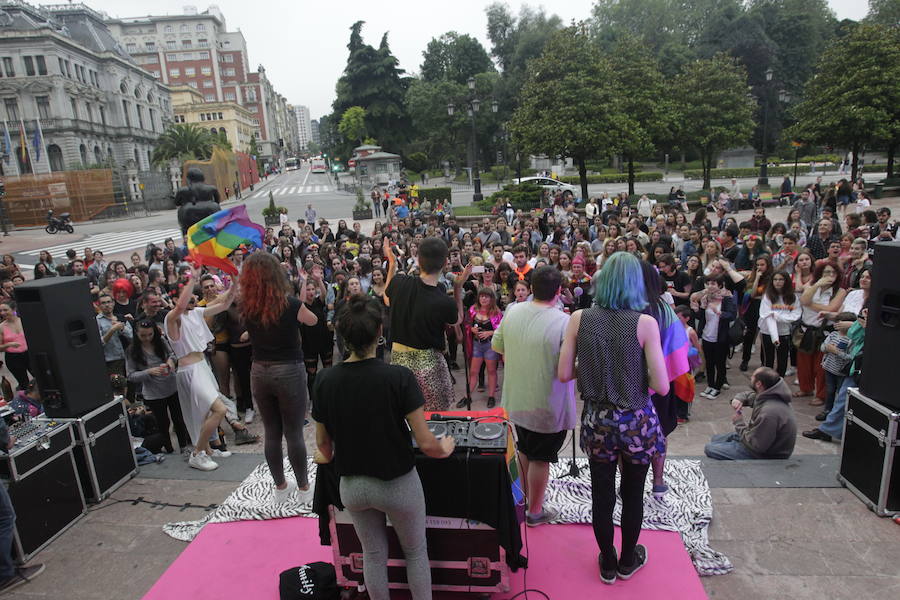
(686, 508)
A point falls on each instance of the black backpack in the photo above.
(315, 581)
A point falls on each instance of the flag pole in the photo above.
(23, 139)
(43, 145)
(7, 141)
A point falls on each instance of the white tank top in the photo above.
(194, 335)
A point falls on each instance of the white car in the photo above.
(550, 184)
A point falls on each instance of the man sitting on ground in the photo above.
(772, 429)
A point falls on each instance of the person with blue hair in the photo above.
(620, 361)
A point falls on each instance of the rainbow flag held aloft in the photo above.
(211, 240)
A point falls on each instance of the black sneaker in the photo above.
(491, 402)
(608, 576)
(640, 559)
(822, 415)
(22, 576)
(464, 402)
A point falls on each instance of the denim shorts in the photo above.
(608, 432)
(482, 349)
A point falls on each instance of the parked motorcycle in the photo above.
(60, 223)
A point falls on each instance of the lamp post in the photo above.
(764, 168)
(472, 105)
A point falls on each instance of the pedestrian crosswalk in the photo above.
(293, 190)
(112, 242)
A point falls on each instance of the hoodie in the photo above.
(772, 429)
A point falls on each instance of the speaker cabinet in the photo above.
(883, 328)
(64, 345)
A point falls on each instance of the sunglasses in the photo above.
(147, 324)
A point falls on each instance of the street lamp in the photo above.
(764, 169)
(472, 106)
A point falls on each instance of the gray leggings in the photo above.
(368, 500)
(279, 390)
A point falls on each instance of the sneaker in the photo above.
(822, 415)
(305, 496)
(491, 402)
(186, 452)
(725, 386)
(202, 462)
(248, 416)
(282, 496)
(242, 436)
(21, 576)
(640, 559)
(714, 393)
(743, 366)
(216, 453)
(790, 371)
(705, 393)
(463, 403)
(660, 490)
(817, 434)
(607, 576)
(547, 515)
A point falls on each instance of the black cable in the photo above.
(154, 504)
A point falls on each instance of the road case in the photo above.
(465, 555)
(44, 486)
(103, 451)
(870, 467)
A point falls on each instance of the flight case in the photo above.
(103, 453)
(465, 556)
(870, 467)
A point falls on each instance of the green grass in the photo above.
(468, 211)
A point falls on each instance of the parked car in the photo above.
(553, 185)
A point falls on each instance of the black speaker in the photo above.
(883, 328)
(64, 345)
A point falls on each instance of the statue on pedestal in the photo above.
(195, 201)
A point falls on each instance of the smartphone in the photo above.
(478, 269)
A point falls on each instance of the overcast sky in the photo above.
(303, 44)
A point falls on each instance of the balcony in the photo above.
(51, 126)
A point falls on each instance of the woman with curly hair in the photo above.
(278, 377)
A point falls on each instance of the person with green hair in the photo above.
(620, 360)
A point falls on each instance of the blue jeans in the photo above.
(728, 446)
(7, 524)
(833, 424)
(832, 385)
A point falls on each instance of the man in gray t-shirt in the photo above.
(539, 404)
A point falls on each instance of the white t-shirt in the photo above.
(194, 335)
(853, 302)
(711, 327)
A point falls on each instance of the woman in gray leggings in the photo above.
(364, 410)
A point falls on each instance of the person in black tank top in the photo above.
(619, 358)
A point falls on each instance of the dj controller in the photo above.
(471, 435)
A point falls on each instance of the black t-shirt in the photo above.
(281, 341)
(363, 406)
(419, 312)
(731, 253)
(680, 282)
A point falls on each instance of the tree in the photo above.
(253, 150)
(587, 122)
(183, 141)
(858, 106)
(884, 12)
(644, 99)
(454, 57)
(353, 124)
(714, 108)
(437, 134)
(220, 140)
(372, 80)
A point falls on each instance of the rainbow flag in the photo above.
(211, 240)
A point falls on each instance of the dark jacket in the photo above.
(772, 429)
(729, 312)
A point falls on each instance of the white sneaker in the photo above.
(305, 496)
(202, 462)
(725, 386)
(282, 496)
(790, 371)
(705, 393)
(713, 394)
(221, 453)
(248, 416)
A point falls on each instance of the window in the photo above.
(251, 95)
(74, 104)
(29, 65)
(229, 72)
(203, 43)
(184, 28)
(170, 44)
(41, 65)
(210, 97)
(190, 72)
(68, 70)
(203, 56)
(201, 27)
(8, 67)
(140, 115)
(155, 74)
(152, 120)
(220, 116)
(89, 112)
(185, 43)
(174, 72)
(167, 29)
(193, 84)
(126, 109)
(131, 48)
(62, 67)
(229, 58)
(171, 57)
(43, 106)
(255, 122)
(202, 116)
(207, 83)
(229, 96)
(150, 46)
(12, 109)
(205, 71)
(103, 114)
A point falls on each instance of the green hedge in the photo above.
(436, 193)
(737, 172)
(525, 196)
(612, 178)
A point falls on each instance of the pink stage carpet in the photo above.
(243, 560)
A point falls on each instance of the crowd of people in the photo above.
(525, 294)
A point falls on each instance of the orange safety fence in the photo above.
(83, 194)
